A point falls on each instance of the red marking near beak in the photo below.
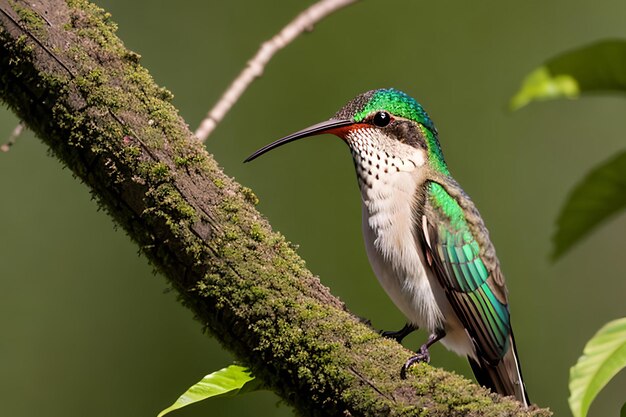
(343, 131)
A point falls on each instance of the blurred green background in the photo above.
(87, 329)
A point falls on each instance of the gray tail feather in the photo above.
(505, 378)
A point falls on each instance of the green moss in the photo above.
(131, 57)
(152, 136)
(161, 113)
(159, 172)
(28, 18)
(78, 54)
(230, 205)
(93, 23)
(101, 96)
(249, 195)
(231, 235)
(167, 204)
(138, 76)
(97, 76)
(256, 233)
(25, 47)
(181, 161)
(189, 160)
(218, 182)
(52, 81)
(197, 251)
(132, 152)
(164, 94)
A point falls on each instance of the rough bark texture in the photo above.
(65, 73)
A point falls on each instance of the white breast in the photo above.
(393, 254)
(388, 184)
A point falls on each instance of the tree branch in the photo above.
(304, 21)
(70, 79)
(15, 134)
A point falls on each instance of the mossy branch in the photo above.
(71, 80)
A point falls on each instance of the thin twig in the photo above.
(303, 22)
(14, 135)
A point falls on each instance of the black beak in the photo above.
(317, 129)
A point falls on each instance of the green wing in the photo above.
(463, 259)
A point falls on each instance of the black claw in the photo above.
(423, 356)
(365, 321)
(400, 334)
(389, 334)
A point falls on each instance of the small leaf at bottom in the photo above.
(229, 381)
(604, 356)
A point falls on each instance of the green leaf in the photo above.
(597, 197)
(599, 67)
(604, 356)
(230, 381)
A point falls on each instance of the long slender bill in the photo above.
(317, 129)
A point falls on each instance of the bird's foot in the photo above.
(365, 321)
(390, 334)
(400, 334)
(423, 356)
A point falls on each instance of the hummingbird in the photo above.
(425, 240)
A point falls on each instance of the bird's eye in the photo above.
(382, 119)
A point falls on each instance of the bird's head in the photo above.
(378, 125)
